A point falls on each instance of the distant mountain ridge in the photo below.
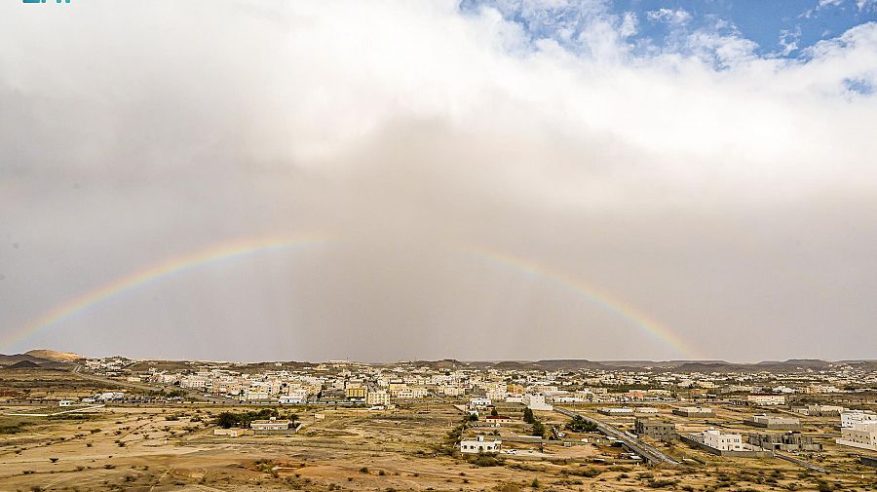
(791, 365)
(55, 359)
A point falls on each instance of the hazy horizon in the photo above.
(393, 181)
(439, 359)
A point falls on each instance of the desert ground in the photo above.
(407, 448)
(167, 447)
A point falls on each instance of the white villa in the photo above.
(479, 445)
(723, 442)
(860, 435)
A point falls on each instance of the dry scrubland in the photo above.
(173, 448)
(140, 448)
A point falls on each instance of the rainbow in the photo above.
(221, 252)
(245, 247)
(592, 293)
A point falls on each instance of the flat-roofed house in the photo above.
(774, 422)
(655, 429)
(479, 445)
(861, 435)
(694, 411)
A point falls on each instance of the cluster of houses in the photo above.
(381, 386)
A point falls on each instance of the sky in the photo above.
(479, 180)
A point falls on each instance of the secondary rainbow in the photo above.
(593, 293)
(221, 252)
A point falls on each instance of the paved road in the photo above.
(647, 451)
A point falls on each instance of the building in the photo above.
(820, 410)
(616, 411)
(646, 410)
(232, 432)
(789, 441)
(295, 397)
(379, 397)
(861, 435)
(694, 411)
(480, 402)
(536, 402)
(653, 429)
(766, 400)
(850, 418)
(66, 403)
(356, 394)
(479, 445)
(271, 425)
(774, 422)
(722, 442)
(412, 393)
(496, 420)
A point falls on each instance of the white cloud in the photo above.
(666, 176)
(670, 16)
(866, 4)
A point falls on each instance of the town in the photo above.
(564, 424)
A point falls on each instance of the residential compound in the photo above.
(350, 383)
(850, 418)
(860, 435)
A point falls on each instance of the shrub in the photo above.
(661, 483)
(485, 460)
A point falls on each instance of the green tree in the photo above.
(538, 429)
(580, 424)
(528, 416)
(227, 420)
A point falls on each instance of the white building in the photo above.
(850, 418)
(616, 411)
(536, 402)
(860, 435)
(766, 399)
(479, 445)
(723, 442)
(479, 402)
(193, 382)
(297, 399)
